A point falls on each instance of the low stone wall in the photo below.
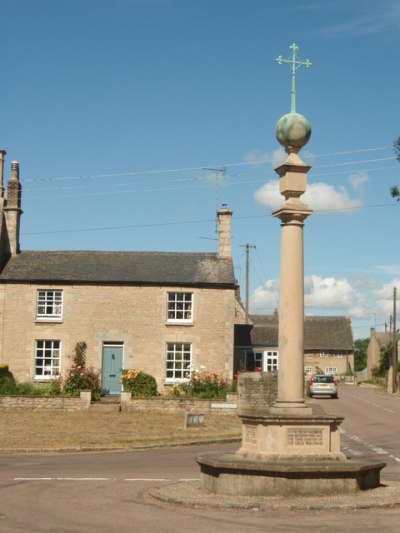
(179, 405)
(25, 403)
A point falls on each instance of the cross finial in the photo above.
(295, 64)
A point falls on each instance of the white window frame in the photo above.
(271, 360)
(178, 361)
(331, 370)
(47, 359)
(180, 307)
(49, 304)
(308, 370)
(323, 354)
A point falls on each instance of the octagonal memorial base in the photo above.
(239, 475)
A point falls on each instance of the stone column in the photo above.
(292, 213)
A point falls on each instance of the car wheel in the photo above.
(335, 396)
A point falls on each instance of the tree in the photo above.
(395, 191)
(360, 354)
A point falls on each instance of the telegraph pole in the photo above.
(247, 246)
(394, 345)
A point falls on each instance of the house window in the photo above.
(178, 360)
(323, 354)
(308, 370)
(180, 307)
(254, 360)
(271, 361)
(49, 305)
(47, 359)
(338, 354)
(331, 370)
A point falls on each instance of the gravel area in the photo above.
(191, 494)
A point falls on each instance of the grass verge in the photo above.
(57, 429)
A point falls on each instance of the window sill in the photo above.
(49, 319)
(177, 323)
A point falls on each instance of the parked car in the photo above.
(324, 385)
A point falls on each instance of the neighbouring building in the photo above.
(328, 344)
(378, 340)
(158, 312)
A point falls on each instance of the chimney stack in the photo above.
(13, 209)
(2, 154)
(224, 232)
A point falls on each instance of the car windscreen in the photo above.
(323, 379)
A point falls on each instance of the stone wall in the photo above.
(25, 403)
(181, 405)
(257, 392)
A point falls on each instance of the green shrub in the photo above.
(139, 383)
(7, 381)
(28, 389)
(79, 377)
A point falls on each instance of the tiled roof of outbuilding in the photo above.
(322, 332)
(161, 268)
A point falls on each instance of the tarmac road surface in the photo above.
(107, 492)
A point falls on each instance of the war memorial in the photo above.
(288, 448)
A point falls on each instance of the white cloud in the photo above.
(321, 197)
(265, 298)
(371, 19)
(257, 156)
(357, 181)
(384, 296)
(329, 296)
(269, 195)
(334, 294)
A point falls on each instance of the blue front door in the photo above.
(111, 368)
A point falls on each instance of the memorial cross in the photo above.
(295, 64)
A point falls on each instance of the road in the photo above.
(371, 427)
(107, 492)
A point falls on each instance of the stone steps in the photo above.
(107, 404)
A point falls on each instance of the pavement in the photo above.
(192, 495)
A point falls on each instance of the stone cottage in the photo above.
(157, 312)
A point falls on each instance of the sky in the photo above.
(134, 120)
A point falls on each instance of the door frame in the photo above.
(112, 344)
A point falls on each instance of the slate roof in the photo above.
(322, 332)
(161, 268)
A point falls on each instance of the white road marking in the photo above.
(375, 449)
(182, 480)
(63, 479)
(146, 479)
(373, 404)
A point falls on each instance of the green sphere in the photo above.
(293, 131)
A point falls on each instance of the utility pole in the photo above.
(246, 304)
(394, 345)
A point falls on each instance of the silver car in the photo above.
(324, 385)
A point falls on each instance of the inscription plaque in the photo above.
(304, 437)
(250, 434)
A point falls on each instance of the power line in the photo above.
(177, 223)
(202, 167)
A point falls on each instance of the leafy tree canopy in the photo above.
(360, 354)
